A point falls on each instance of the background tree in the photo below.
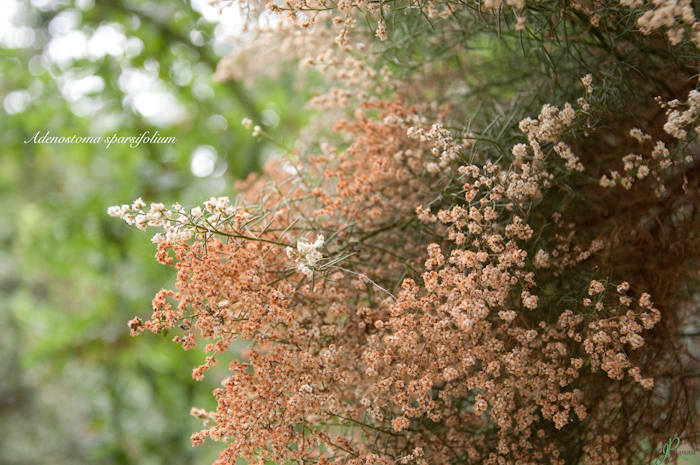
(74, 387)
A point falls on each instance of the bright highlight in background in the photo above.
(203, 161)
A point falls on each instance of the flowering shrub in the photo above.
(456, 263)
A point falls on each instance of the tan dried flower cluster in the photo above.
(337, 348)
(636, 167)
(429, 279)
(675, 16)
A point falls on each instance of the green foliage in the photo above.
(74, 386)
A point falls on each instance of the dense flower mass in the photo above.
(456, 262)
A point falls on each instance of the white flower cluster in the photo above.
(381, 30)
(676, 16)
(587, 81)
(307, 254)
(134, 214)
(445, 149)
(178, 225)
(248, 124)
(549, 126)
(677, 120)
(219, 207)
(678, 123)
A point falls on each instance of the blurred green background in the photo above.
(74, 386)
